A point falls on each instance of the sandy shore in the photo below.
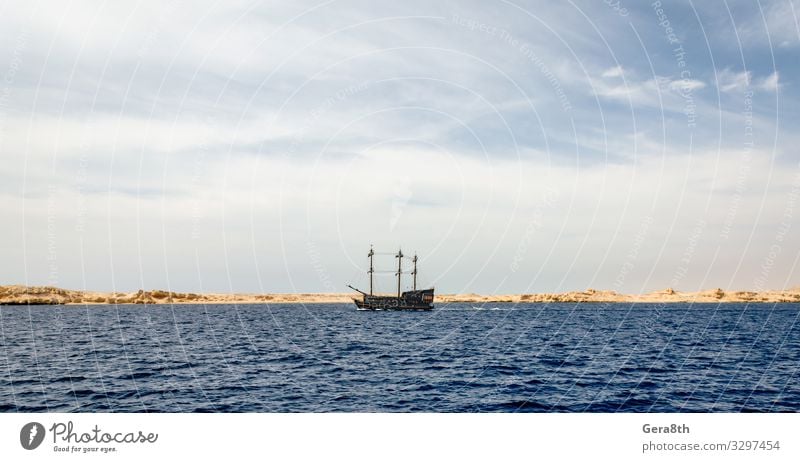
(24, 295)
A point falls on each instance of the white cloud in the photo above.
(655, 92)
(729, 81)
(770, 83)
(686, 85)
(615, 71)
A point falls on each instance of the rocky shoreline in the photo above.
(25, 295)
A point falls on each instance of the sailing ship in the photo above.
(409, 300)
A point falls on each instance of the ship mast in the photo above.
(371, 268)
(415, 272)
(399, 257)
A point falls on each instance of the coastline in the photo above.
(38, 295)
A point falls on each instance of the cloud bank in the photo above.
(517, 147)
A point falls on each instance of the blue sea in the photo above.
(457, 358)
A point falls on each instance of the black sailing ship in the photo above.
(420, 300)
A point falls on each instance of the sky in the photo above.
(516, 147)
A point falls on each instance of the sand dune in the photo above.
(24, 295)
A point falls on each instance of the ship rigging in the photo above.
(420, 300)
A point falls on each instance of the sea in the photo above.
(458, 358)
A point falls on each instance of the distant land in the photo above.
(25, 295)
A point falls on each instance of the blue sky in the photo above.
(517, 147)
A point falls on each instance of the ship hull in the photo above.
(415, 300)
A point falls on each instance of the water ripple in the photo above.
(320, 358)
